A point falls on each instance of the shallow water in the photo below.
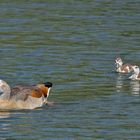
(73, 44)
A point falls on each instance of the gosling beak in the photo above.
(116, 64)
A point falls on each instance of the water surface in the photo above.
(73, 44)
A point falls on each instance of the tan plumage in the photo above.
(26, 97)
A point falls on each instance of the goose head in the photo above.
(45, 88)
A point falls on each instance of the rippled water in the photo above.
(73, 44)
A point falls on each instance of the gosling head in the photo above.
(136, 69)
(118, 62)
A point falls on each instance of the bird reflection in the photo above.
(135, 87)
(119, 83)
(4, 114)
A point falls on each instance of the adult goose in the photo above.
(23, 97)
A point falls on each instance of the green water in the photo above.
(72, 44)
